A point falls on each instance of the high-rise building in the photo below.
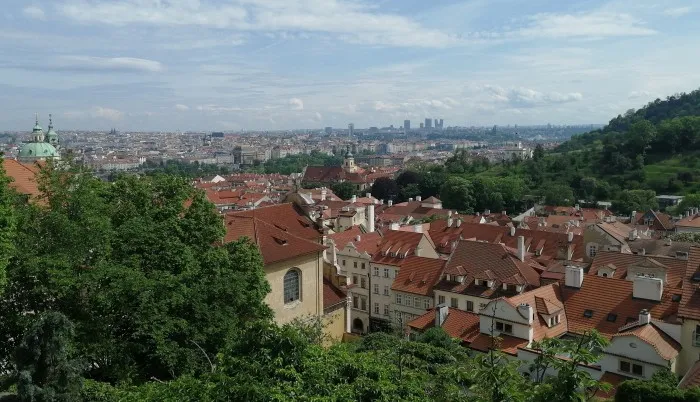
(351, 129)
(428, 123)
(328, 130)
(422, 125)
(439, 123)
(407, 125)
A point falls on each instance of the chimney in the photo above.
(419, 198)
(410, 199)
(573, 276)
(370, 218)
(521, 248)
(647, 288)
(525, 310)
(449, 221)
(441, 312)
(394, 226)
(459, 222)
(334, 252)
(578, 207)
(644, 317)
(512, 230)
(487, 212)
(323, 194)
(571, 236)
(633, 234)
(353, 199)
(391, 202)
(634, 215)
(669, 242)
(418, 228)
(504, 213)
(368, 195)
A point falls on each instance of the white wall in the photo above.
(621, 348)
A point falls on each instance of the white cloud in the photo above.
(639, 94)
(525, 97)
(597, 24)
(106, 63)
(677, 11)
(106, 113)
(182, 107)
(318, 116)
(218, 108)
(35, 12)
(296, 104)
(349, 20)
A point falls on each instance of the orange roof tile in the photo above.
(613, 379)
(23, 177)
(369, 242)
(332, 295)
(692, 377)
(690, 301)
(664, 345)
(544, 300)
(603, 296)
(675, 268)
(418, 275)
(505, 343)
(459, 324)
(399, 243)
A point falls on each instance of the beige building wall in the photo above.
(594, 237)
(690, 352)
(334, 325)
(311, 297)
(478, 302)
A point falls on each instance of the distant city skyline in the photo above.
(227, 65)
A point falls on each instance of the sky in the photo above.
(209, 65)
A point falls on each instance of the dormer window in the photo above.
(448, 277)
(459, 279)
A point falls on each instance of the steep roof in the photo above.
(459, 324)
(692, 221)
(332, 295)
(664, 345)
(324, 174)
(397, 245)
(488, 261)
(604, 296)
(662, 221)
(675, 268)
(369, 242)
(418, 275)
(546, 300)
(23, 177)
(690, 301)
(549, 244)
(285, 216)
(692, 377)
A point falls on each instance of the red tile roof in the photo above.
(484, 261)
(369, 242)
(690, 301)
(549, 244)
(280, 232)
(692, 377)
(324, 174)
(661, 221)
(418, 275)
(604, 296)
(23, 177)
(505, 343)
(332, 296)
(675, 268)
(396, 246)
(613, 379)
(692, 221)
(664, 345)
(459, 324)
(544, 300)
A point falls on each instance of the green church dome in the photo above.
(51, 135)
(38, 150)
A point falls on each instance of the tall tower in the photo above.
(351, 129)
(406, 125)
(428, 123)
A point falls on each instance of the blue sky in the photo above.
(273, 64)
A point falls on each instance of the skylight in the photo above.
(588, 313)
(676, 298)
(612, 317)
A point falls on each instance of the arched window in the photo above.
(292, 284)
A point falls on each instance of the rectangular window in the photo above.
(386, 272)
(625, 367)
(376, 289)
(355, 302)
(426, 303)
(386, 290)
(376, 271)
(398, 298)
(343, 262)
(637, 369)
(376, 308)
(363, 265)
(416, 302)
(508, 329)
(354, 264)
(454, 303)
(592, 250)
(470, 305)
(363, 302)
(386, 309)
(354, 279)
(407, 300)
(499, 326)
(363, 283)
(441, 299)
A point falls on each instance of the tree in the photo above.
(46, 370)
(407, 177)
(344, 190)
(636, 200)
(8, 224)
(557, 194)
(456, 193)
(385, 188)
(538, 153)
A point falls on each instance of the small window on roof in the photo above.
(588, 313)
(676, 298)
(612, 317)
